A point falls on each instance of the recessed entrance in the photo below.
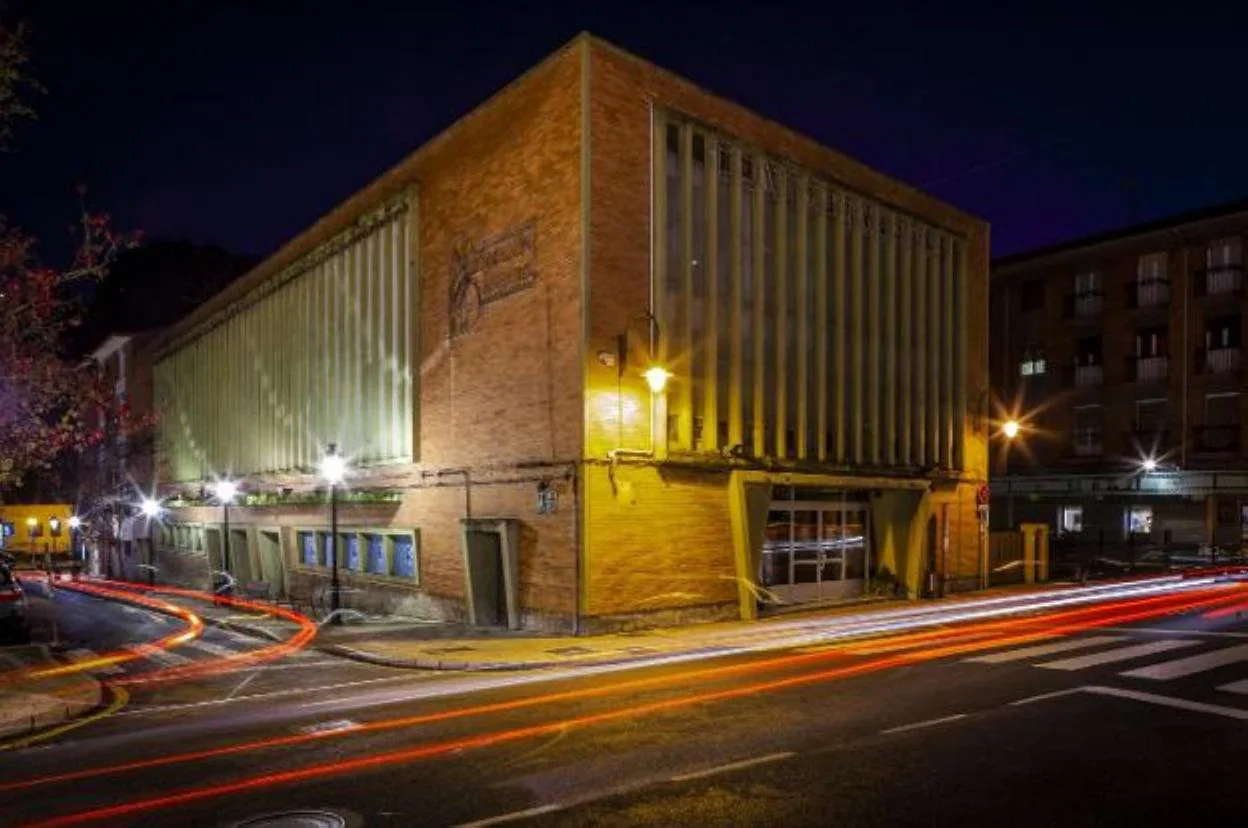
(492, 568)
(816, 550)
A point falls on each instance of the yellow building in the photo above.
(37, 528)
(473, 330)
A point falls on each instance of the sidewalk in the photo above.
(31, 705)
(426, 645)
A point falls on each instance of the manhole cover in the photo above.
(295, 819)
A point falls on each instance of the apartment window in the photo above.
(377, 564)
(1089, 421)
(1138, 520)
(1222, 333)
(307, 548)
(404, 556)
(1088, 283)
(1225, 254)
(1222, 409)
(1031, 295)
(1150, 416)
(1033, 364)
(1153, 269)
(1151, 342)
(351, 544)
(1088, 351)
(1070, 520)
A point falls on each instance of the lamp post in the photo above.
(150, 508)
(75, 525)
(225, 491)
(333, 469)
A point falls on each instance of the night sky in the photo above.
(239, 123)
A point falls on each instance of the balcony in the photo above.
(1083, 376)
(1085, 306)
(1220, 281)
(1219, 361)
(1086, 442)
(1216, 439)
(1150, 293)
(1148, 370)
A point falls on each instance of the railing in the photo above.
(1087, 304)
(1218, 360)
(1149, 368)
(1217, 438)
(1220, 280)
(1087, 376)
(1149, 293)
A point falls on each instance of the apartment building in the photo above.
(1121, 355)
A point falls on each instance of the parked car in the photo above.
(12, 599)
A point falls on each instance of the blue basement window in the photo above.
(307, 545)
(352, 546)
(376, 555)
(404, 556)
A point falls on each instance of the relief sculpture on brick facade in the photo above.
(484, 271)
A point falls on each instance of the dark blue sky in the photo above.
(239, 123)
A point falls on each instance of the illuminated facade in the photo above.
(474, 331)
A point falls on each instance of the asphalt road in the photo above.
(998, 731)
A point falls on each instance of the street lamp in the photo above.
(225, 491)
(75, 524)
(1148, 464)
(150, 508)
(1010, 429)
(333, 470)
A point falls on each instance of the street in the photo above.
(1126, 717)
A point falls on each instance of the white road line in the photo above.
(1044, 696)
(1168, 701)
(294, 691)
(1162, 631)
(512, 817)
(161, 656)
(212, 649)
(1117, 654)
(1179, 667)
(241, 685)
(1236, 687)
(1045, 649)
(928, 723)
(731, 766)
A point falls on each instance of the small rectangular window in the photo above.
(351, 544)
(1139, 520)
(404, 556)
(377, 555)
(307, 548)
(1070, 520)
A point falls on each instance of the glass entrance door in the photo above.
(815, 551)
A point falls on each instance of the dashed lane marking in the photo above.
(732, 766)
(928, 723)
(512, 817)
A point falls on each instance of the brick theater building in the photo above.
(1122, 354)
(476, 332)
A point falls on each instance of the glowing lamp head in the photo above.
(225, 491)
(657, 377)
(1010, 429)
(54, 523)
(333, 467)
(75, 522)
(1148, 464)
(32, 522)
(150, 507)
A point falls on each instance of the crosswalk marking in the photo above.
(1117, 654)
(1179, 667)
(90, 655)
(1045, 649)
(1236, 687)
(162, 656)
(213, 649)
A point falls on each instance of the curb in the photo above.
(89, 696)
(508, 666)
